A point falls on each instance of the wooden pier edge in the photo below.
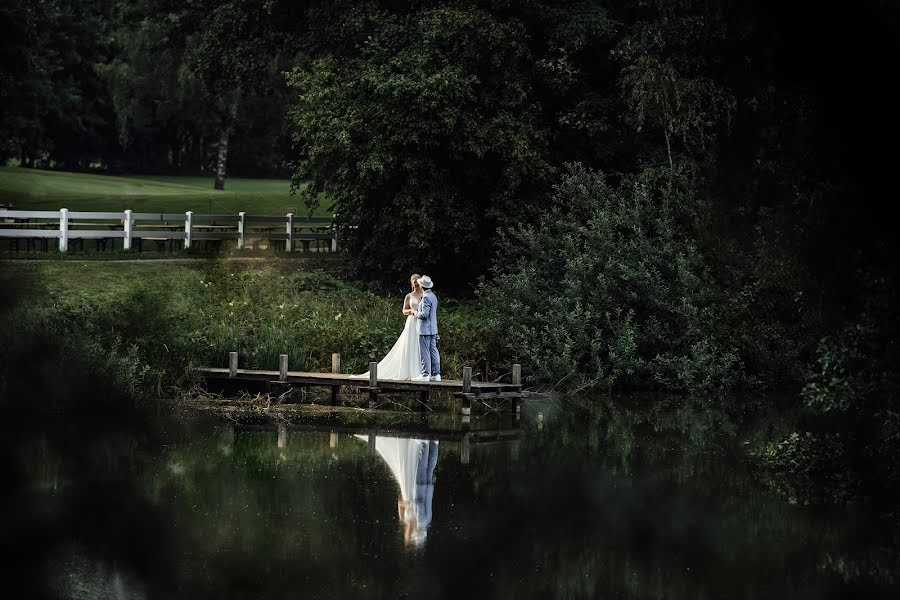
(465, 389)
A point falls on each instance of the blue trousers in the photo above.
(425, 482)
(431, 360)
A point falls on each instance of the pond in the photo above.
(565, 502)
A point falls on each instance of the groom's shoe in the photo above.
(421, 378)
(435, 377)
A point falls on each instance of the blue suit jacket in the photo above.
(426, 314)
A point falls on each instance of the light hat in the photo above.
(425, 282)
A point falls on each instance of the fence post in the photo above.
(333, 233)
(63, 229)
(188, 224)
(129, 220)
(289, 245)
(240, 243)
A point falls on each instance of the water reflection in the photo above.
(614, 502)
(412, 463)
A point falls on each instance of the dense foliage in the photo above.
(621, 285)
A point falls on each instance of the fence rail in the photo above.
(65, 225)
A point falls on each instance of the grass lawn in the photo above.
(33, 189)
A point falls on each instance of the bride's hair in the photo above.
(414, 278)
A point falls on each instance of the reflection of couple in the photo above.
(412, 463)
(414, 355)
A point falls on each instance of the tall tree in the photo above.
(424, 123)
(231, 47)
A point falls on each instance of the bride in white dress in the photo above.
(402, 361)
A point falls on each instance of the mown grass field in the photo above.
(33, 189)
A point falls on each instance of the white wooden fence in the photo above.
(66, 225)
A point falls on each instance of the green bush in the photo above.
(624, 285)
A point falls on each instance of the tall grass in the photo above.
(154, 324)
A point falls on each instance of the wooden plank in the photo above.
(214, 235)
(158, 217)
(265, 219)
(169, 235)
(326, 379)
(92, 235)
(324, 220)
(222, 218)
(29, 233)
(96, 215)
(29, 214)
(263, 235)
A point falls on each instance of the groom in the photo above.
(426, 316)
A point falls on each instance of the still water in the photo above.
(565, 502)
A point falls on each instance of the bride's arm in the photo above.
(406, 309)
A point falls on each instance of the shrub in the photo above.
(624, 285)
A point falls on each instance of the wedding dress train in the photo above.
(402, 361)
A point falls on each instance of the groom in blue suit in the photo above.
(426, 316)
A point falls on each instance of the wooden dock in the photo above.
(464, 388)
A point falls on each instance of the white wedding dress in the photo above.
(403, 360)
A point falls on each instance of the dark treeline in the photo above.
(148, 86)
(673, 194)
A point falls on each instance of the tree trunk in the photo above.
(219, 182)
(224, 132)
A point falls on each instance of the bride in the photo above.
(402, 361)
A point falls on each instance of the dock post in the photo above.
(517, 380)
(372, 442)
(464, 449)
(332, 440)
(232, 364)
(240, 242)
(373, 384)
(282, 435)
(467, 391)
(282, 368)
(335, 368)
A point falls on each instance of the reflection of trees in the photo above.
(618, 501)
(662, 507)
(275, 516)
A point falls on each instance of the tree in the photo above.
(231, 47)
(421, 127)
